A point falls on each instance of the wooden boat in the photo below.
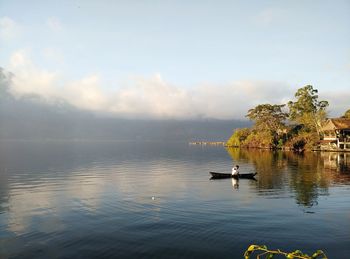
(215, 175)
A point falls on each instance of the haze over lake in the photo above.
(99, 101)
(64, 199)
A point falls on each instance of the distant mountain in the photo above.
(30, 120)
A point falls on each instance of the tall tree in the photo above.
(307, 109)
(268, 117)
(269, 124)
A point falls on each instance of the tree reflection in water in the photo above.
(307, 175)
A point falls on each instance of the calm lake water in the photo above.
(94, 199)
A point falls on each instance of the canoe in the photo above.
(215, 175)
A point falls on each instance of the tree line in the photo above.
(295, 125)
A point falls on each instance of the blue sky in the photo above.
(180, 59)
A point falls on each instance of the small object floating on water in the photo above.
(153, 198)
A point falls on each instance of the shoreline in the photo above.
(290, 149)
(209, 143)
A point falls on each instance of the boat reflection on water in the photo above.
(235, 183)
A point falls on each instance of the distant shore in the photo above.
(211, 143)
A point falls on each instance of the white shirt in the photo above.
(234, 171)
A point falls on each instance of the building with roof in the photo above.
(336, 134)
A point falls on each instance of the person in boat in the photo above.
(235, 171)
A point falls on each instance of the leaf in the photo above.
(318, 253)
(251, 248)
(297, 252)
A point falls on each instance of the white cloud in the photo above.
(53, 54)
(339, 102)
(54, 24)
(86, 93)
(29, 79)
(234, 99)
(153, 97)
(9, 29)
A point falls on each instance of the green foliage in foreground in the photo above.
(260, 251)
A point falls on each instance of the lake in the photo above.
(86, 199)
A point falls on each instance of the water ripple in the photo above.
(126, 201)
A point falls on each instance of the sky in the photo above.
(176, 59)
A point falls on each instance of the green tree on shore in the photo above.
(238, 137)
(273, 127)
(269, 124)
(268, 117)
(307, 109)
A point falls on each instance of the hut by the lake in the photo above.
(336, 135)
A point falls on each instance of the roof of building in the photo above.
(336, 123)
(327, 141)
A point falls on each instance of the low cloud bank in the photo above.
(35, 117)
(153, 97)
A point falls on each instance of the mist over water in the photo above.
(79, 184)
(32, 117)
(100, 105)
(69, 199)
